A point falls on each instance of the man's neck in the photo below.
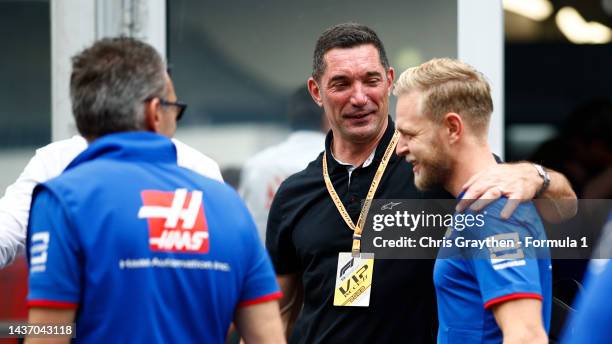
(468, 161)
(355, 153)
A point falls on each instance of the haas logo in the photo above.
(176, 221)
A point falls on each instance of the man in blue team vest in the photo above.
(126, 243)
(484, 296)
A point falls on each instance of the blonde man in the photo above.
(443, 112)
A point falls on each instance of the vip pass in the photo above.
(354, 280)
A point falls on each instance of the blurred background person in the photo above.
(264, 172)
(583, 149)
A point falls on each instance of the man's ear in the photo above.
(151, 115)
(390, 79)
(315, 91)
(453, 125)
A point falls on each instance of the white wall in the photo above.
(76, 24)
(481, 44)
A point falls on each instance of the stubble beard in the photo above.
(434, 171)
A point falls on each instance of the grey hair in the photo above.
(110, 82)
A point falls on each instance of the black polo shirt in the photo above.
(305, 234)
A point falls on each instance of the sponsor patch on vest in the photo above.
(176, 221)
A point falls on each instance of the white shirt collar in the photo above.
(350, 168)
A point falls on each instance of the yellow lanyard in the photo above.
(358, 229)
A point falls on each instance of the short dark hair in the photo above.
(303, 112)
(345, 35)
(110, 82)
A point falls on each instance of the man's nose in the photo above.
(402, 148)
(359, 97)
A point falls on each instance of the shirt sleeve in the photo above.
(260, 281)
(15, 207)
(53, 255)
(192, 159)
(47, 163)
(505, 273)
(279, 241)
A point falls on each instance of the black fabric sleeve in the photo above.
(279, 236)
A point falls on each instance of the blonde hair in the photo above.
(449, 85)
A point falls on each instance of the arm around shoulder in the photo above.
(520, 182)
(558, 202)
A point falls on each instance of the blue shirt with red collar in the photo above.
(470, 280)
(143, 249)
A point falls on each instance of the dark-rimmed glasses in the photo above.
(181, 107)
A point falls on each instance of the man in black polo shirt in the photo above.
(306, 230)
